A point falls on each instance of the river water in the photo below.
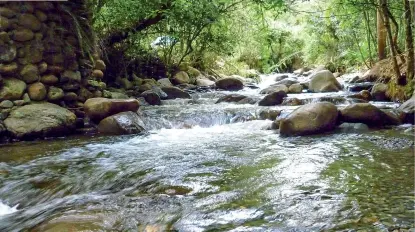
(211, 167)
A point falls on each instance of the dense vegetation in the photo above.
(266, 35)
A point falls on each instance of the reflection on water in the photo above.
(210, 167)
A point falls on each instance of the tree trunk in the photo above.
(381, 33)
(384, 7)
(409, 42)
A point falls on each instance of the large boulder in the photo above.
(230, 83)
(44, 119)
(100, 108)
(324, 81)
(295, 88)
(274, 88)
(174, 92)
(122, 123)
(12, 89)
(151, 97)
(181, 78)
(408, 110)
(309, 119)
(379, 92)
(273, 99)
(366, 113)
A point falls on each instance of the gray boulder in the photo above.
(324, 81)
(122, 123)
(379, 92)
(44, 119)
(230, 83)
(100, 108)
(273, 99)
(309, 119)
(368, 114)
(174, 92)
(274, 88)
(408, 110)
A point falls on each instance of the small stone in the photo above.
(8, 69)
(55, 69)
(70, 76)
(55, 94)
(41, 16)
(100, 65)
(6, 104)
(44, 6)
(70, 97)
(4, 23)
(19, 102)
(23, 35)
(29, 21)
(26, 98)
(4, 36)
(42, 67)
(71, 86)
(30, 73)
(49, 79)
(7, 12)
(7, 53)
(98, 74)
(37, 91)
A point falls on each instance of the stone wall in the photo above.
(41, 58)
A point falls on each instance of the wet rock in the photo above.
(229, 83)
(204, 82)
(6, 104)
(30, 73)
(292, 102)
(151, 97)
(4, 23)
(287, 82)
(231, 98)
(122, 123)
(362, 95)
(408, 110)
(295, 88)
(165, 82)
(353, 127)
(324, 81)
(181, 78)
(100, 108)
(379, 92)
(7, 12)
(49, 79)
(248, 100)
(272, 99)
(12, 89)
(269, 114)
(309, 119)
(23, 35)
(37, 91)
(274, 88)
(281, 77)
(44, 119)
(29, 21)
(367, 114)
(360, 86)
(55, 94)
(7, 52)
(174, 92)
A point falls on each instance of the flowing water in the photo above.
(211, 167)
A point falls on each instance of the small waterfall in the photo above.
(5, 209)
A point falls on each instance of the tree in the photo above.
(409, 42)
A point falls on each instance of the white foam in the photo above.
(5, 209)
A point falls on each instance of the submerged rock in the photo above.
(324, 81)
(44, 119)
(122, 123)
(100, 108)
(230, 83)
(273, 99)
(353, 127)
(237, 98)
(309, 119)
(366, 113)
(174, 92)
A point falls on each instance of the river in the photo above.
(211, 167)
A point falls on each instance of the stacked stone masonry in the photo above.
(41, 58)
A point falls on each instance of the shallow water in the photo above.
(210, 167)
